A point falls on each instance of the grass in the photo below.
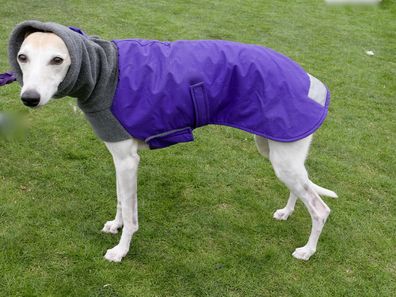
(205, 208)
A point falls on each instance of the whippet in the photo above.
(44, 61)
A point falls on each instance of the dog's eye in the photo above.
(56, 61)
(22, 58)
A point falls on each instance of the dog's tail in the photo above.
(322, 191)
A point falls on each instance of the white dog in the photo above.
(44, 61)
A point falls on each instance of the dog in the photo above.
(44, 60)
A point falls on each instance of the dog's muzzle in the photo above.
(30, 98)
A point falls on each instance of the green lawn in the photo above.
(205, 208)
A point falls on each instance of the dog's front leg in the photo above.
(114, 225)
(126, 162)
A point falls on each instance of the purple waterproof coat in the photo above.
(166, 89)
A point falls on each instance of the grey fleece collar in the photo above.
(91, 78)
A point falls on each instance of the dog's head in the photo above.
(48, 59)
(44, 61)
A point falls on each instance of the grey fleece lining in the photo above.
(92, 77)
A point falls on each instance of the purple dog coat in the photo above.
(166, 89)
(159, 92)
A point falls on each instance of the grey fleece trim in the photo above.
(106, 126)
(91, 78)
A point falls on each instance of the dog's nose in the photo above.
(30, 98)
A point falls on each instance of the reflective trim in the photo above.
(317, 90)
(166, 133)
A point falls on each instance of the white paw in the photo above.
(111, 227)
(303, 253)
(116, 254)
(282, 214)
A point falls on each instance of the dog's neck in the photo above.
(95, 86)
(96, 82)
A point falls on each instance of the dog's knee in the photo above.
(321, 213)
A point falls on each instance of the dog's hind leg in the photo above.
(283, 213)
(126, 162)
(288, 162)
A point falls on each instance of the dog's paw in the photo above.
(111, 227)
(282, 214)
(116, 254)
(303, 253)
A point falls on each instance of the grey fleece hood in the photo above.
(91, 78)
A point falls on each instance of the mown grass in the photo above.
(205, 208)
